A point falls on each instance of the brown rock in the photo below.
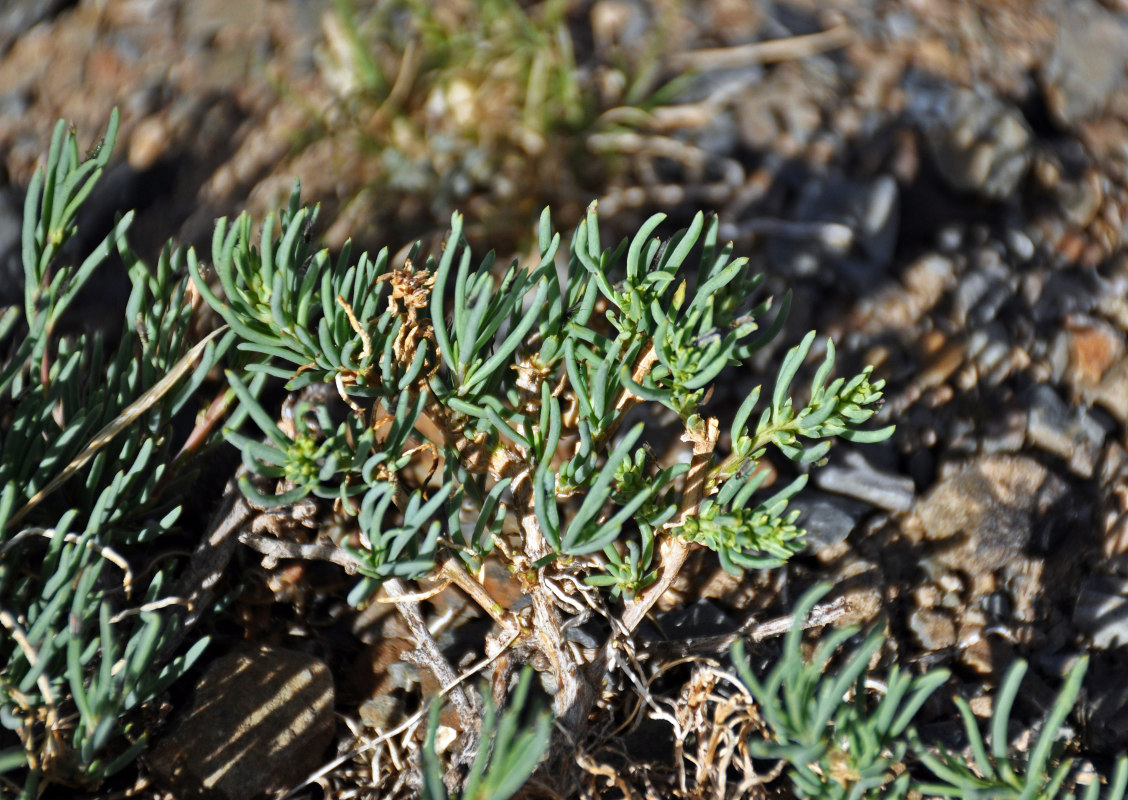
(259, 722)
(149, 142)
(933, 629)
(391, 684)
(988, 655)
(1094, 346)
(982, 706)
(1112, 393)
(989, 516)
(990, 501)
(1086, 67)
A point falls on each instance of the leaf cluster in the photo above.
(482, 410)
(517, 383)
(838, 742)
(994, 773)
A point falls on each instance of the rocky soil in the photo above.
(943, 185)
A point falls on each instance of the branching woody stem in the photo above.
(452, 569)
(465, 703)
(672, 550)
(575, 695)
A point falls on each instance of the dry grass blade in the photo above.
(105, 552)
(768, 52)
(127, 417)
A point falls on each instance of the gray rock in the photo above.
(987, 305)
(1104, 704)
(1072, 434)
(11, 263)
(852, 475)
(20, 16)
(868, 210)
(1073, 291)
(1004, 432)
(1088, 62)
(979, 143)
(703, 618)
(972, 288)
(259, 722)
(828, 519)
(1020, 245)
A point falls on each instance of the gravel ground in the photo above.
(943, 185)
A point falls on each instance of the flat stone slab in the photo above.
(259, 722)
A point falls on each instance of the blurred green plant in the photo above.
(840, 743)
(478, 105)
(996, 774)
(89, 432)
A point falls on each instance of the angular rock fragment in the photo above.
(855, 477)
(827, 519)
(933, 629)
(992, 510)
(1072, 434)
(1002, 521)
(1088, 62)
(868, 210)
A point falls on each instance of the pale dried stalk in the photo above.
(769, 52)
(628, 399)
(673, 550)
(274, 549)
(453, 570)
(574, 696)
(407, 724)
(51, 719)
(752, 631)
(104, 551)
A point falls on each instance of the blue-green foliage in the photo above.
(483, 409)
(87, 476)
(836, 748)
(841, 745)
(518, 383)
(994, 773)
